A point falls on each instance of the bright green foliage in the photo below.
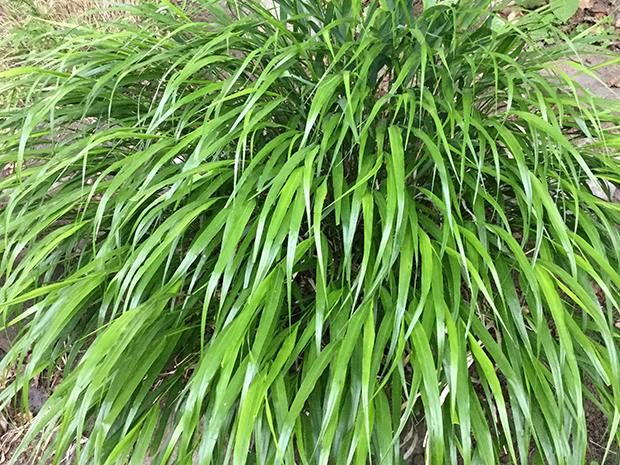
(285, 238)
(563, 10)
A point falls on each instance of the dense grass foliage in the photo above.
(31, 25)
(287, 238)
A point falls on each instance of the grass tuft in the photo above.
(297, 238)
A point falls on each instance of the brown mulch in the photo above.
(605, 13)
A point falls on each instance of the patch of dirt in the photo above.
(598, 433)
(602, 13)
(602, 16)
(14, 420)
(9, 442)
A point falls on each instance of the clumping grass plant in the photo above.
(28, 26)
(291, 235)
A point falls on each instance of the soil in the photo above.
(602, 13)
(598, 435)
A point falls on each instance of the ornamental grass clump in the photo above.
(295, 235)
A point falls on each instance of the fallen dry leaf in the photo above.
(615, 82)
(515, 15)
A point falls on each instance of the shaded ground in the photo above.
(604, 16)
(603, 81)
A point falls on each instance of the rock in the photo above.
(601, 7)
(36, 399)
(600, 85)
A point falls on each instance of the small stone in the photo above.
(601, 7)
(36, 399)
